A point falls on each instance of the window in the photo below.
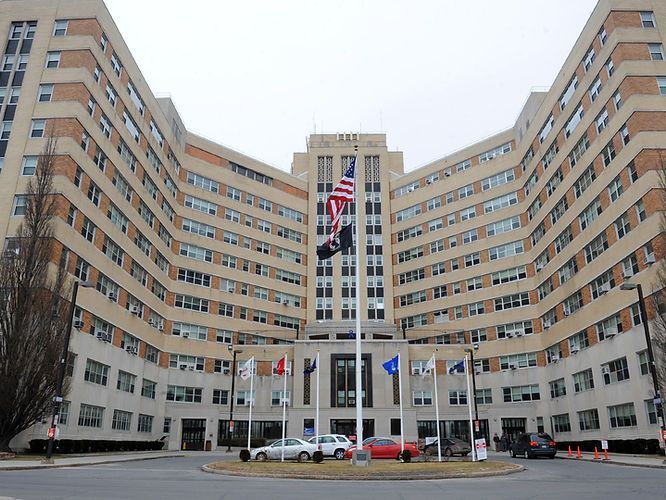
(509, 275)
(583, 381)
(422, 398)
(244, 398)
(609, 327)
(145, 423)
(183, 394)
(126, 381)
(148, 389)
(598, 246)
(220, 397)
(191, 303)
(623, 415)
(615, 371)
(647, 19)
(105, 126)
(508, 250)
(97, 373)
(569, 92)
(37, 128)
(557, 388)
(500, 202)
(588, 420)
(278, 398)
(589, 214)
(589, 59)
(91, 416)
(515, 361)
(615, 189)
(52, 59)
(88, 230)
(117, 66)
(484, 396)
(493, 153)
(521, 393)
(561, 423)
(457, 397)
(584, 181)
(601, 121)
(656, 51)
(20, 205)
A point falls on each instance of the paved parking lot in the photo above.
(177, 478)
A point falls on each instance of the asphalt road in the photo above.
(178, 478)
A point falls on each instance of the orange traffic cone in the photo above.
(570, 452)
(578, 454)
(596, 454)
(606, 455)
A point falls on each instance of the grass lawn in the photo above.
(379, 468)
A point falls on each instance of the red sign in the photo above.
(663, 435)
(231, 426)
(51, 433)
(477, 425)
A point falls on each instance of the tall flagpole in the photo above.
(402, 429)
(317, 403)
(469, 406)
(434, 381)
(357, 245)
(249, 419)
(284, 406)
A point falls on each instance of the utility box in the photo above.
(361, 458)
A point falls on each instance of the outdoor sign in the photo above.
(604, 445)
(477, 425)
(308, 431)
(481, 451)
(53, 432)
(231, 427)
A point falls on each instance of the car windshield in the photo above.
(368, 440)
(541, 437)
(277, 443)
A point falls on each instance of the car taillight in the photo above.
(553, 444)
(534, 444)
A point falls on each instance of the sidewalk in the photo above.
(651, 461)
(26, 462)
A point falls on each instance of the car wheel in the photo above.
(428, 451)
(339, 454)
(262, 457)
(448, 452)
(303, 456)
(526, 454)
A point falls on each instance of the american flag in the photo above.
(343, 193)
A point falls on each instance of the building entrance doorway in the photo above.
(512, 427)
(347, 427)
(194, 434)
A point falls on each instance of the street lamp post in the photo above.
(57, 399)
(233, 386)
(476, 406)
(658, 403)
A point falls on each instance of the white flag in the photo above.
(429, 366)
(246, 369)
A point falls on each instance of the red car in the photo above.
(381, 447)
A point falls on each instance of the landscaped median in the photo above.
(379, 470)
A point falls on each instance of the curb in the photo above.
(614, 462)
(104, 462)
(422, 477)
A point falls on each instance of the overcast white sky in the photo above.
(435, 75)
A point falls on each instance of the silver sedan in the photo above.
(293, 449)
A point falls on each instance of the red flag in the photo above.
(280, 367)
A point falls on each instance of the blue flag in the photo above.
(459, 367)
(312, 368)
(391, 366)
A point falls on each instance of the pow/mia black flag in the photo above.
(341, 241)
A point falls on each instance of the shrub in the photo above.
(406, 456)
(318, 457)
(244, 455)
(242, 442)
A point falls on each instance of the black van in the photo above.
(537, 444)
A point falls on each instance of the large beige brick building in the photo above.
(518, 243)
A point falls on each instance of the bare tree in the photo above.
(658, 298)
(32, 308)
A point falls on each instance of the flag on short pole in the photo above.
(342, 240)
(246, 369)
(391, 366)
(430, 365)
(311, 369)
(341, 195)
(280, 368)
(459, 367)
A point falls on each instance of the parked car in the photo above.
(381, 447)
(332, 445)
(449, 447)
(533, 444)
(293, 449)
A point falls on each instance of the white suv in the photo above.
(332, 445)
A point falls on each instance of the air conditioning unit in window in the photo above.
(132, 349)
(191, 368)
(151, 322)
(611, 332)
(134, 310)
(226, 371)
(605, 288)
(428, 181)
(649, 259)
(160, 327)
(518, 334)
(182, 366)
(185, 334)
(285, 302)
(605, 370)
(554, 358)
(100, 335)
(513, 367)
(547, 324)
(78, 324)
(112, 296)
(447, 174)
(574, 350)
(539, 266)
(567, 312)
(627, 273)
